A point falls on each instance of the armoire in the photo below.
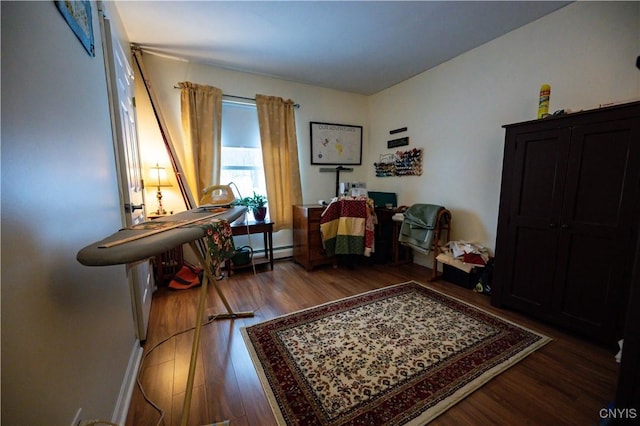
(568, 220)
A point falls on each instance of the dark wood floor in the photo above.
(566, 382)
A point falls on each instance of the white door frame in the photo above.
(130, 183)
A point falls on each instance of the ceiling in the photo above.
(356, 46)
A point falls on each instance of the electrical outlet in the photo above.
(76, 418)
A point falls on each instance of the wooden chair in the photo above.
(443, 226)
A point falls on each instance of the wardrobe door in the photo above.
(534, 207)
(595, 242)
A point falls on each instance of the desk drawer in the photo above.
(315, 238)
(307, 247)
(314, 214)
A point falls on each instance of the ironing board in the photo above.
(154, 238)
(145, 242)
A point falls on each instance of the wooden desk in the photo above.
(240, 227)
(167, 264)
(307, 241)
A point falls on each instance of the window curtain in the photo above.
(280, 155)
(201, 109)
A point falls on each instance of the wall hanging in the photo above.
(401, 163)
(337, 144)
(78, 16)
(394, 143)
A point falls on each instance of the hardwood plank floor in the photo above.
(566, 382)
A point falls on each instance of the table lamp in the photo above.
(158, 175)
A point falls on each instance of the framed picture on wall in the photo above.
(338, 144)
(78, 17)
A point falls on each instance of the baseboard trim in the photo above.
(126, 389)
(279, 252)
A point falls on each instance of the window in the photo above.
(241, 161)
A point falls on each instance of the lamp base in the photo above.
(161, 210)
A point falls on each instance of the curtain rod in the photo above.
(241, 97)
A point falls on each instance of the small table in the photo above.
(265, 227)
(168, 263)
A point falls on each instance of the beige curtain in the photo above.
(280, 155)
(201, 108)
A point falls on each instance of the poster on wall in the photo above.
(335, 144)
(78, 16)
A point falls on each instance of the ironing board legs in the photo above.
(208, 277)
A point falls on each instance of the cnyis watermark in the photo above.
(618, 413)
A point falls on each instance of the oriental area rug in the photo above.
(400, 355)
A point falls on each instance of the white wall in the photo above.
(585, 51)
(67, 329)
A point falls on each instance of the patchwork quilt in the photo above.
(347, 226)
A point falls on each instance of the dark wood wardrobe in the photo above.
(568, 220)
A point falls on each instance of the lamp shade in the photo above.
(158, 176)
